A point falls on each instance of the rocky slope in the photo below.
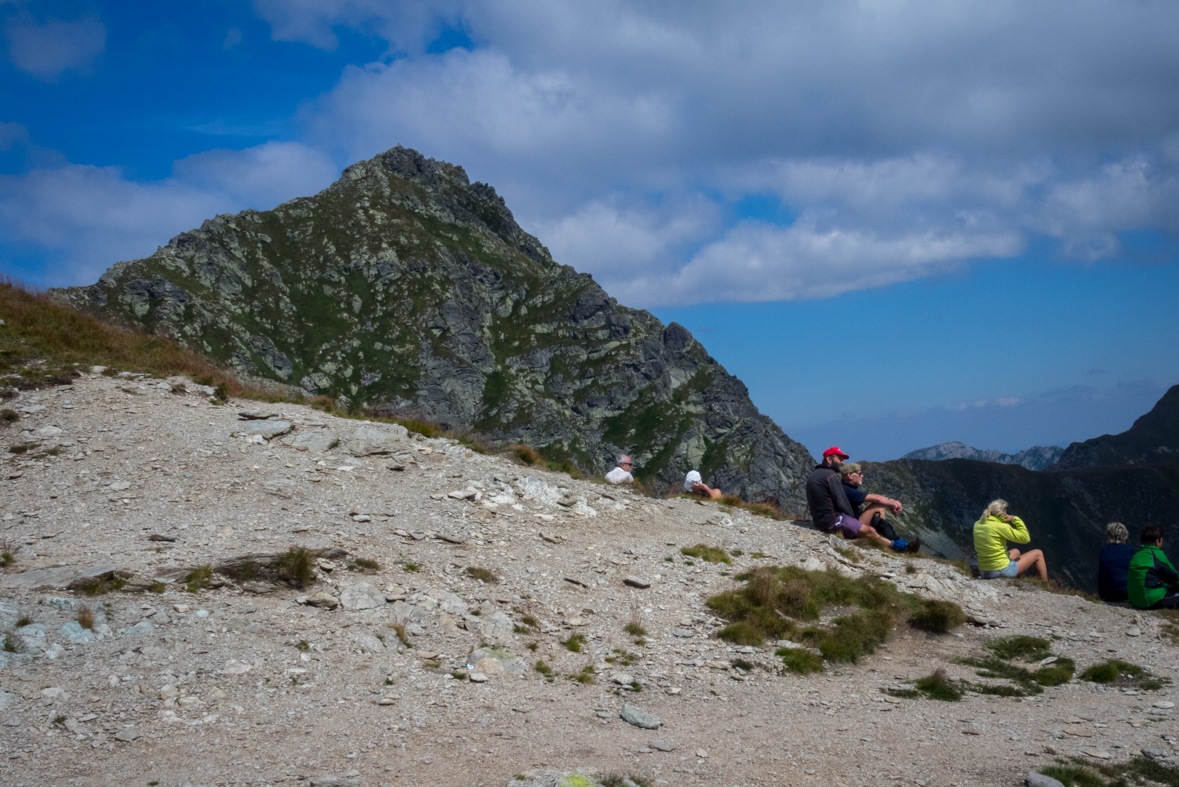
(408, 289)
(1035, 458)
(1153, 439)
(248, 682)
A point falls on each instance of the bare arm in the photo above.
(880, 500)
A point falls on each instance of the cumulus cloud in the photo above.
(46, 50)
(90, 217)
(903, 140)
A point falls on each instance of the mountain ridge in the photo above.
(1152, 439)
(1034, 458)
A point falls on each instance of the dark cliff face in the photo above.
(1153, 439)
(407, 288)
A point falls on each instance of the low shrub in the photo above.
(296, 566)
(198, 579)
(937, 686)
(100, 586)
(365, 565)
(526, 454)
(12, 643)
(574, 643)
(85, 618)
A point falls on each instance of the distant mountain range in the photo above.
(1152, 440)
(1035, 458)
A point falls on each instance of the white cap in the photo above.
(693, 478)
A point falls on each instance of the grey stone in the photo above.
(52, 578)
(361, 595)
(74, 632)
(661, 745)
(637, 582)
(370, 643)
(127, 734)
(267, 429)
(371, 439)
(683, 633)
(6, 700)
(639, 718)
(496, 628)
(322, 599)
(333, 781)
(259, 588)
(494, 662)
(318, 440)
(1040, 780)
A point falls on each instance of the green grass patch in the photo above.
(706, 553)
(585, 676)
(484, 575)
(412, 568)
(1020, 647)
(574, 643)
(544, 669)
(1125, 675)
(635, 629)
(800, 660)
(1080, 772)
(937, 686)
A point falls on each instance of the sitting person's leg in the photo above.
(874, 516)
(1166, 602)
(1031, 561)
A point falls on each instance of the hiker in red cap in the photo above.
(830, 509)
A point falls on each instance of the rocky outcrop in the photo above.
(1034, 458)
(405, 288)
(1153, 439)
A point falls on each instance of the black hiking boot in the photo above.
(913, 544)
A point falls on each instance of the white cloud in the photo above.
(88, 217)
(47, 50)
(763, 262)
(261, 176)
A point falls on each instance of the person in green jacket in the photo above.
(992, 532)
(1152, 582)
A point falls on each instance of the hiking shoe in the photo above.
(900, 545)
(913, 545)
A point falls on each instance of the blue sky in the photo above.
(900, 223)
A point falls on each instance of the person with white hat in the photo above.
(694, 485)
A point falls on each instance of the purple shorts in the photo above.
(849, 526)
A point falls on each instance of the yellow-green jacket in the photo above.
(991, 535)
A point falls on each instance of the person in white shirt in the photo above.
(621, 474)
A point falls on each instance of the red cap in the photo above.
(835, 451)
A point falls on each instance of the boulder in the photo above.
(361, 595)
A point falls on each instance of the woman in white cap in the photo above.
(694, 485)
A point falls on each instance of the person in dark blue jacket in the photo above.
(1115, 563)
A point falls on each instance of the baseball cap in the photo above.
(835, 451)
(850, 467)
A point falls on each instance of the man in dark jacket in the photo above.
(1152, 582)
(830, 509)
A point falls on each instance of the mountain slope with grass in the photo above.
(407, 290)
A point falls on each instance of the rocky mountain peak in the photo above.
(406, 289)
